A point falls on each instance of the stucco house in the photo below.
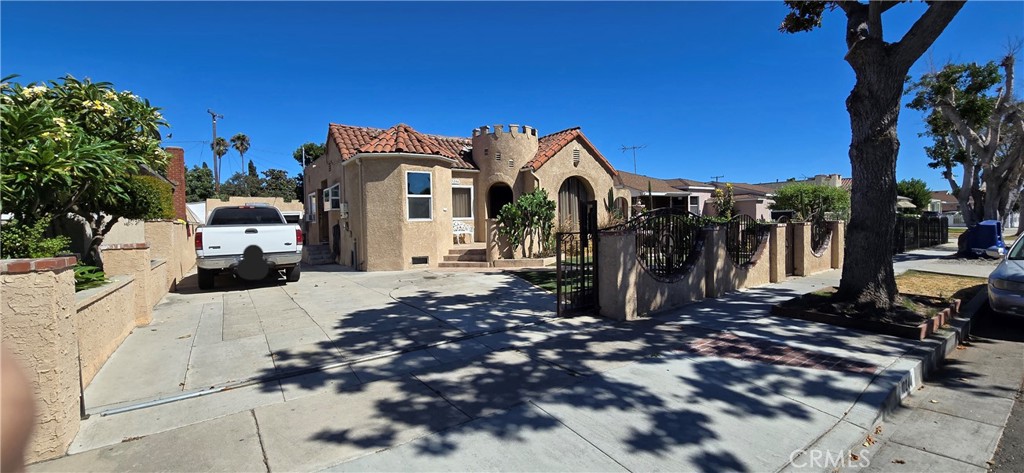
(393, 199)
(664, 193)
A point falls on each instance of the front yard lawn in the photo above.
(545, 279)
(943, 286)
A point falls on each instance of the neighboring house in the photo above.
(944, 202)
(832, 180)
(649, 193)
(903, 204)
(699, 193)
(393, 199)
(751, 199)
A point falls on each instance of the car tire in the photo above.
(292, 274)
(205, 277)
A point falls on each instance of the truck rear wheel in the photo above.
(292, 274)
(205, 277)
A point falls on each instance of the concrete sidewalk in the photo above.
(714, 385)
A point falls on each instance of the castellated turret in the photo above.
(501, 154)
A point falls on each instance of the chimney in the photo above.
(176, 174)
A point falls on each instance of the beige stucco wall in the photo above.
(838, 244)
(724, 275)
(806, 261)
(158, 282)
(126, 231)
(102, 322)
(133, 260)
(289, 206)
(598, 179)
(777, 253)
(392, 240)
(173, 242)
(36, 312)
(627, 292)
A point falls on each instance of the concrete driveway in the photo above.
(245, 331)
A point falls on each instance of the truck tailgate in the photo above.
(234, 239)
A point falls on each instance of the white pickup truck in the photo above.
(250, 241)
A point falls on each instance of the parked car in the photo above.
(1006, 283)
(251, 241)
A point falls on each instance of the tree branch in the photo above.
(875, 19)
(962, 128)
(925, 30)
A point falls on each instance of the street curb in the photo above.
(896, 381)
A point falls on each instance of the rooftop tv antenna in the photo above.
(716, 178)
(634, 148)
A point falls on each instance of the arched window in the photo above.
(572, 197)
(622, 206)
(498, 195)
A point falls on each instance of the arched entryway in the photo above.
(573, 196)
(497, 196)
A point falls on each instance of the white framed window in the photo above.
(418, 195)
(335, 197)
(327, 198)
(462, 202)
(311, 207)
(695, 204)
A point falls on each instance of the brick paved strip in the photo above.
(728, 345)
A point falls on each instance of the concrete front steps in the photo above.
(476, 257)
(317, 254)
(465, 258)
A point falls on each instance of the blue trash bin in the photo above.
(987, 234)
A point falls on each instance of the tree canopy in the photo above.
(917, 191)
(313, 151)
(812, 201)
(881, 69)
(977, 127)
(75, 147)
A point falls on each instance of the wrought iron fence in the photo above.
(821, 233)
(577, 272)
(743, 237)
(912, 232)
(669, 241)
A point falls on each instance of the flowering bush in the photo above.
(71, 147)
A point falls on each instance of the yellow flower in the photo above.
(34, 91)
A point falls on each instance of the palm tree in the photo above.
(220, 148)
(241, 144)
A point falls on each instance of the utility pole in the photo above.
(216, 159)
(634, 148)
(716, 178)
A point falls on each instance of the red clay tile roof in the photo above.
(549, 145)
(400, 138)
(846, 183)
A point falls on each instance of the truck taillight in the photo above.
(298, 237)
(199, 241)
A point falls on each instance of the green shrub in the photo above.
(88, 277)
(528, 220)
(152, 198)
(811, 201)
(27, 241)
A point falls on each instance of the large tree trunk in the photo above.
(874, 106)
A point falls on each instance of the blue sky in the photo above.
(710, 88)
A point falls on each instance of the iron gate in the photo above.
(576, 264)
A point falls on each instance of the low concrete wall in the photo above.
(173, 242)
(838, 243)
(102, 322)
(497, 245)
(37, 306)
(626, 291)
(126, 232)
(806, 261)
(724, 275)
(777, 253)
(133, 260)
(159, 279)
